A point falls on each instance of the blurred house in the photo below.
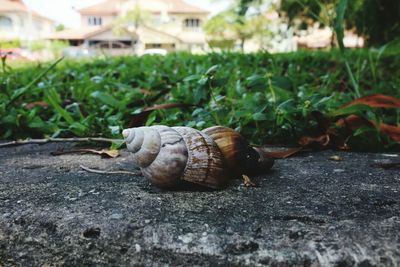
(173, 25)
(321, 38)
(280, 37)
(17, 21)
(283, 38)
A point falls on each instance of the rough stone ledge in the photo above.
(309, 211)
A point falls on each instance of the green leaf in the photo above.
(36, 122)
(282, 82)
(199, 94)
(363, 130)
(106, 98)
(256, 82)
(19, 92)
(152, 118)
(78, 128)
(339, 23)
(116, 145)
(350, 110)
(259, 116)
(51, 97)
(191, 78)
(211, 71)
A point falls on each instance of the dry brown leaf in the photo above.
(376, 101)
(106, 153)
(392, 131)
(323, 140)
(329, 135)
(336, 158)
(354, 122)
(145, 92)
(36, 104)
(112, 153)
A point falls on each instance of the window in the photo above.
(38, 26)
(5, 22)
(94, 21)
(157, 20)
(192, 23)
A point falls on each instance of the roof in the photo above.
(150, 35)
(19, 6)
(78, 33)
(110, 7)
(146, 34)
(113, 7)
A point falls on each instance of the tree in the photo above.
(229, 25)
(376, 20)
(217, 28)
(130, 22)
(60, 27)
(379, 21)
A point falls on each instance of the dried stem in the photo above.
(108, 172)
(53, 140)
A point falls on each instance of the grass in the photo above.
(268, 98)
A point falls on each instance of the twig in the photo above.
(108, 172)
(19, 92)
(48, 140)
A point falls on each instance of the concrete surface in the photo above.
(309, 211)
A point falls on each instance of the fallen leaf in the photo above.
(112, 153)
(376, 101)
(145, 92)
(322, 140)
(140, 118)
(36, 104)
(329, 135)
(106, 153)
(336, 158)
(353, 122)
(392, 131)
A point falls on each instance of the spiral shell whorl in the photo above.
(168, 156)
(167, 169)
(144, 143)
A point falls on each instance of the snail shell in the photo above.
(240, 157)
(168, 156)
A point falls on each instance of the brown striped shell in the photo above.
(240, 157)
(169, 155)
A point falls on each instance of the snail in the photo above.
(172, 156)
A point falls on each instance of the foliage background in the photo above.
(269, 98)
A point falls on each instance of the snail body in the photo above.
(170, 156)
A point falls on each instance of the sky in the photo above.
(63, 11)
